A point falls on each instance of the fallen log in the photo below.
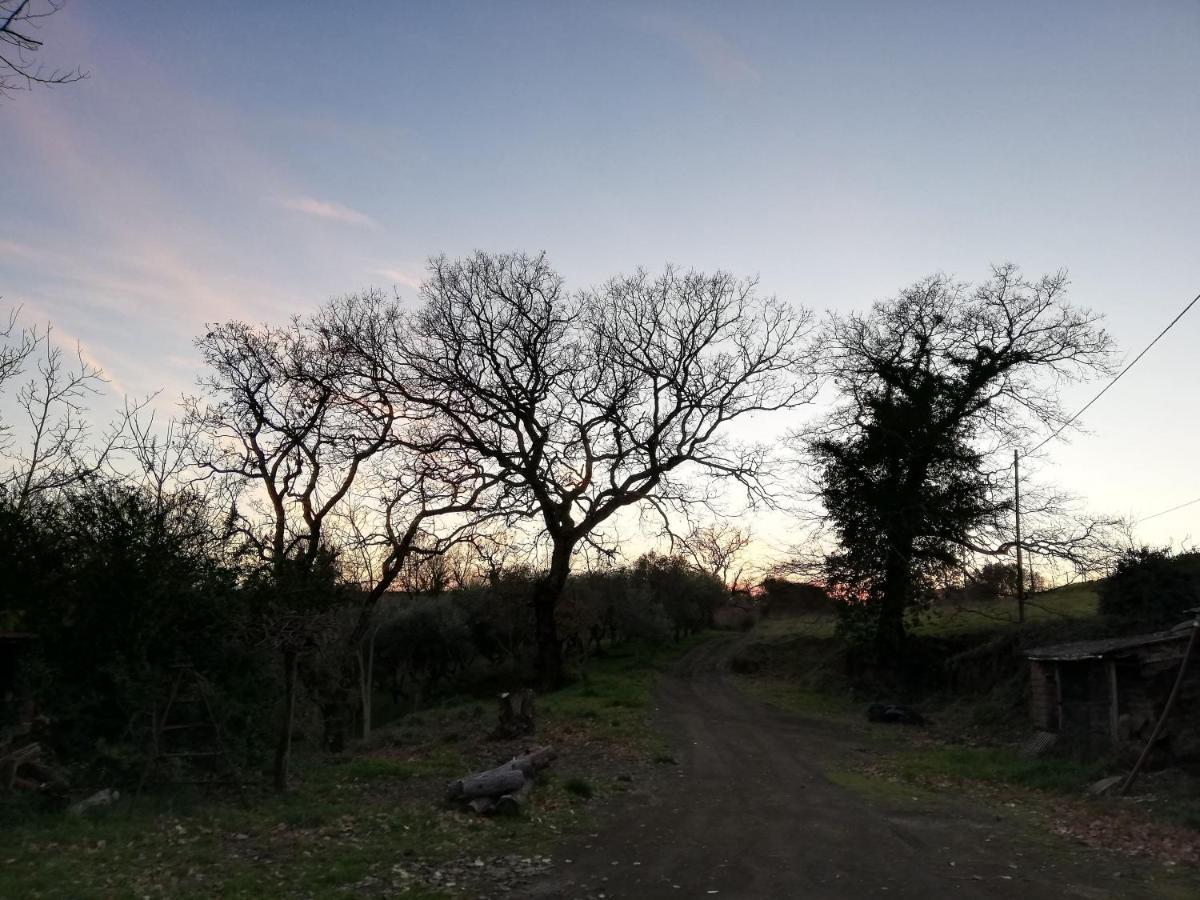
(504, 789)
(503, 780)
(532, 761)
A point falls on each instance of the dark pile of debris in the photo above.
(24, 767)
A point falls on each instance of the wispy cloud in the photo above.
(720, 59)
(321, 209)
(399, 276)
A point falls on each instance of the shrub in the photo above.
(1151, 588)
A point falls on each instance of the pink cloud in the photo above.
(712, 51)
(399, 276)
(321, 209)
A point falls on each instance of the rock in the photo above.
(1104, 785)
(894, 713)
(98, 800)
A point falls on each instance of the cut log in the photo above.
(504, 789)
(512, 804)
(504, 780)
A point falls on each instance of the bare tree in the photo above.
(54, 445)
(16, 346)
(279, 414)
(592, 402)
(719, 549)
(18, 69)
(333, 464)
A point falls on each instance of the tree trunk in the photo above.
(546, 594)
(366, 678)
(283, 750)
(897, 585)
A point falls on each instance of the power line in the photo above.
(1165, 511)
(1117, 378)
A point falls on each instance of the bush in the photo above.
(785, 597)
(119, 586)
(1151, 588)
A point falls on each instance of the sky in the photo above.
(232, 160)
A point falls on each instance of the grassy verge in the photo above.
(368, 824)
(995, 765)
(611, 698)
(970, 748)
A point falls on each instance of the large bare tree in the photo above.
(331, 464)
(591, 402)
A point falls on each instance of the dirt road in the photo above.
(750, 813)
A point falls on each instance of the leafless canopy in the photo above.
(50, 444)
(591, 402)
(19, 70)
(1008, 344)
(598, 400)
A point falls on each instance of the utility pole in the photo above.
(1020, 569)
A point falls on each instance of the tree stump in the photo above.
(516, 718)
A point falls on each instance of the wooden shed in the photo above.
(1105, 696)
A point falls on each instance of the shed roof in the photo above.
(1099, 649)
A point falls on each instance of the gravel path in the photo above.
(749, 813)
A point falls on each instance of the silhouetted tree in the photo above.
(933, 384)
(332, 464)
(50, 444)
(592, 402)
(18, 70)
(279, 412)
(718, 550)
(1151, 587)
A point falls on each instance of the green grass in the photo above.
(340, 825)
(800, 699)
(817, 625)
(611, 696)
(996, 765)
(579, 787)
(347, 820)
(1073, 602)
(1076, 602)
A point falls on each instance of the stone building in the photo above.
(1104, 697)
